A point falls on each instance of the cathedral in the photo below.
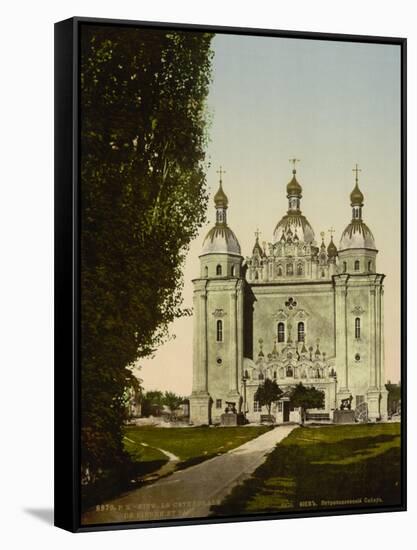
(294, 310)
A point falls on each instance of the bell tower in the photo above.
(359, 315)
(218, 320)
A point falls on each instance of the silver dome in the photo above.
(357, 235)
(221, 240)
(297, 224)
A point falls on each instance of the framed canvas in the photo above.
(230, 305)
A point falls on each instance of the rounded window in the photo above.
(357, 328)
(281, 332)
(219, 331)
(301, 334)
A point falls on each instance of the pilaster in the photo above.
(240, 323)
(200, 399)
(233, 354)
(372, 340)
(341, 336)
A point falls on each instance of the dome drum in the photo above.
(213, 266)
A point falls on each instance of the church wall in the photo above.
(358, 307)
(364, 301)
(316, 301)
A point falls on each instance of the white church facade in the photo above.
(295, 310)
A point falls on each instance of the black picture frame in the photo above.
(67, 269)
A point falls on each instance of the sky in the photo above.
(329, 104)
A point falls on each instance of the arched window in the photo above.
(281, 332)
(357, 327)
(322, 273)
(299, 269)
(301, 334)
(219, 270)
(369, 266)
(279, 271)
(344, 267)
(357, 265)
(219, 331)
(233, 271)
(206, 271)
(290, 269)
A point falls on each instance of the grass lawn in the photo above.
(190, 445)
(323, 467)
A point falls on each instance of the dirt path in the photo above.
(190, 492)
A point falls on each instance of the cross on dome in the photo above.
(220, 171)
(220, 198)
(356, 170)
(294, 160)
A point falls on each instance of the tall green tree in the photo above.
(267, 393)
(143, 199)
(152, 402)
(172, 401)
(306, 398)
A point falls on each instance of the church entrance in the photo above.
(286, 411)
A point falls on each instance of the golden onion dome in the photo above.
(356, 197)
(220, 198)
(293, 187)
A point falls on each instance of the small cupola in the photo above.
(331, 249)
(257, 249)
(221, 239)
